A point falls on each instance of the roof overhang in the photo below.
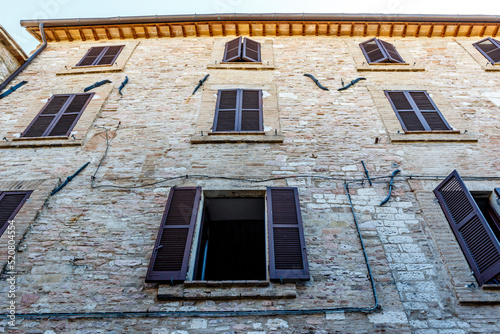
(158, 26)
(12, 46)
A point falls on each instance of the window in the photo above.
(101, 55)
(377, 51)
(10, 204)
(242, 50)
(416, 111)
(475, 223)
(232, 237)
(58, 116)
(238, 110)
(490, 48)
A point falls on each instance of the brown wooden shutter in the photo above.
(58, 116)
(287, 248)
(490, 48)
(225, 112)
(251, 110)
(378, 51)
(232, 52)
(92, 55)
(251, 50)
(391, 52)
(109, 55)
(416, 111)
(474, 235)
(169, 261)
(10, 204)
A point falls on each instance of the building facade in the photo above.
(11, 55)
(267, 201)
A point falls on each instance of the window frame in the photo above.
(388, 59)
(485, 54)
(242, 52)
(58, 115)
(417, 111)
(238, 111)
(100, 56)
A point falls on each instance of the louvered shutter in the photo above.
(251, 110)
(92, 55)
(372, 51)
(10, 204)
(59, 115)
(416, 111)
(225, 112)
(109, 55)
(474, 235)
(490, 48)
(287, 249)
(232, 51)
(169, 261)
(68, 118)
(391, 52)
(251, 50)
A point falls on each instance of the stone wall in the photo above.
(88, 249)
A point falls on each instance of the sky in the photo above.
(13, 12)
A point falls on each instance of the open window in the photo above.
(489, 48)
(416, 111)
(238, 110)
(377, 51)
(10, 204)
(474, 220)
(242, 50)
(58, 116)
(231, 243)
(101, 56)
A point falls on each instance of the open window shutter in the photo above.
(225, 113)
(251, 50)
(232, 52)
(391, 52)
(48, 114)
(478, 243)
(431, 114)
(110, 54)
(169, 261)
(407, 116)
(372, 51)
(251, 110)
(287, 248)
(490, 48)
(10, 204)
(67, 120)
(91, 56)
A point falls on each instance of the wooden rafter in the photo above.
(120, 31)
(134, 33)
(146, 32)
(403, 34)
(158, 31)
(96, 37)
(481, 33)
(55, 35)
(469, 31)
(82, 35)
(107, 32)
(68, 35)
(495, 32)
(431, 30)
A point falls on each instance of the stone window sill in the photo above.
(34, 142)
(242, 66)
(390, 68)
(432, 136)
(236, 137)
(487, 294)
(226, 290)
(91, 69)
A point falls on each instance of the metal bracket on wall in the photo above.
(353, 82)
(68, 179)
(97, 84)
(122, 86)
(13, 89)
(200, 83)
(316, 81)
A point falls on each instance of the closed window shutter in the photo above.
(109, 55)
(232, 52)
(251, 50)
(474, 235)
(10, 204)
(287, 249)
(251, 110)
(378, 51)
(59, 115)
(169, 261)
(92, 55)
(225, 112)
(416, 111)
(490, 48)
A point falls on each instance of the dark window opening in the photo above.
(232, 244)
